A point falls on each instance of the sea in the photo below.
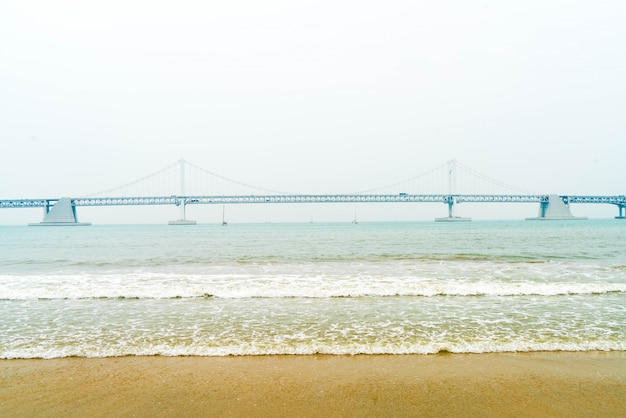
(309, 288)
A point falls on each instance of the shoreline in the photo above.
(487, 385)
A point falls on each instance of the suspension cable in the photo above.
(233, 181)
(401, 182)
(132, 183)
(492, 180)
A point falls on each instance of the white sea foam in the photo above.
(304, 349)
(219, 327)
(280, 285)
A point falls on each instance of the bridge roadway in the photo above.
(63, 211)
(620, 200)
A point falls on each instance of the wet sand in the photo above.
(446, 385)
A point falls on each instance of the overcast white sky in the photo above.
(314, 96)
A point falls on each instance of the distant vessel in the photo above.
(354, 221)
(224, 223)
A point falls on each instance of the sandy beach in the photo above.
(485, 385)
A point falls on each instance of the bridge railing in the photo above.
(619, 200)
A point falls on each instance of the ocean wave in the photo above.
(202, 350)
(245, 293)
(185, 261)
(322, 280)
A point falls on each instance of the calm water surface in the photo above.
(312, 288)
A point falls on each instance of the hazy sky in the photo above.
(313, 96)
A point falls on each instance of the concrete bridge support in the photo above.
(554, 208)
(183, 214)
(62, 213)
(182, 202)
(621, 212)
(451, 201)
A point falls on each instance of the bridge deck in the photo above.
(310, 198)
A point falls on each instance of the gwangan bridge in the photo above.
(62, 211)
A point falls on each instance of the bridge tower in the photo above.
(450, 199)
(182, 199)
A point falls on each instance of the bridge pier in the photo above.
(182, 201)
(183, 214)
(451, 201)
(621, 212)
(62, 213)
(554, 207)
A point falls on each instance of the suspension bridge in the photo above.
(183, 183)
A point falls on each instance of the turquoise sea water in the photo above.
(332, 288)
